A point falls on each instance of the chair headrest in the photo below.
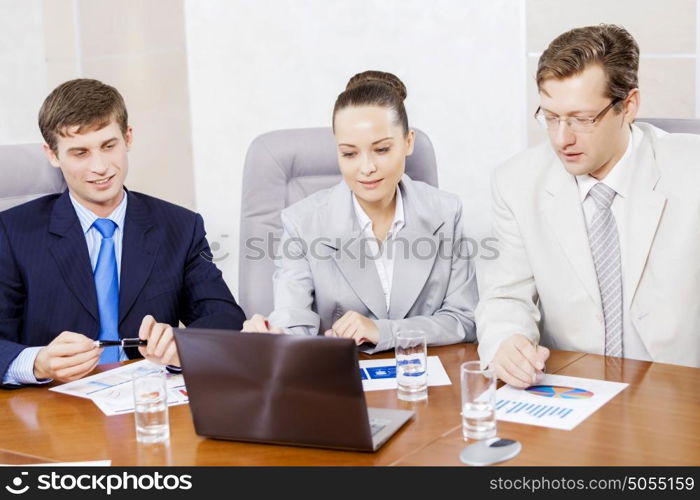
(26, 174)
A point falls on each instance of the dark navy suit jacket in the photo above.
(46, 283)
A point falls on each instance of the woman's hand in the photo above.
(259, 324)
(353, 325)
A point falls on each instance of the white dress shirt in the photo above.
(618, 179)
(21, 370)
(383, 259)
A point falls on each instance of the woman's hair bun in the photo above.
(381, 77)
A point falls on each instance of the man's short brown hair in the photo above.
(608, 45)
(85, 103)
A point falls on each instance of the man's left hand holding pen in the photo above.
(160, 347)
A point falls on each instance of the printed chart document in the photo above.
(112, 392)
(380, 374)
(558, 401)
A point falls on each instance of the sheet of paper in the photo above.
(557, 401)
(89, 386)
(111, 391)
(380, 374)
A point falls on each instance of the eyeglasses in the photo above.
(575, 123)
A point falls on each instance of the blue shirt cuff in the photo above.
(21, 370)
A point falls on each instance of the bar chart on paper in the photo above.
(559, 402)
(533, 410)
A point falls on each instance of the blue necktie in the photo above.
(107, 287)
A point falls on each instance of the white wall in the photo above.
(23, 70)
(260, 66)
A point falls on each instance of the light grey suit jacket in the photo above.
(544, 285)
(321, 273)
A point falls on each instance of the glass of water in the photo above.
(151, 407)
(478, 401)
(411, 365)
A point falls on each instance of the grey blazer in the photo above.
(322, 269)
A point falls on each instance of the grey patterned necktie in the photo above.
(605, 247)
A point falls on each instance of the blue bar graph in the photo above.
(535, 410)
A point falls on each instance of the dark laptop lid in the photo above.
(274, 388)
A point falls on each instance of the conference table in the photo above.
(654, 421)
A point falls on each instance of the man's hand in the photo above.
(68, 357)
(161, 346)
(353, 325)
(259, 324)
(519, 362)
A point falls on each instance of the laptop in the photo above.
(281, 389)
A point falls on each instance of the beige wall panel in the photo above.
(109, 27)
(667, 88)
(60, 41)
(658, 26)
(155, 91)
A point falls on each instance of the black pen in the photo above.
(121, 342)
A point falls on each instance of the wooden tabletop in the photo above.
(654, 421)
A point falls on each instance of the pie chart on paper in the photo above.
(558, 391)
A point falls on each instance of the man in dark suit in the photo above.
(98, 261)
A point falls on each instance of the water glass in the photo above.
(151, 407)
(411, 365)
(478, 401)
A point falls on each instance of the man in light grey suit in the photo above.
(598, 234)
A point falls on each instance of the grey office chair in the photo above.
(283, 167)
(674, 125)
(25, 174)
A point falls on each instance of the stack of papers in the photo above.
(112, 390)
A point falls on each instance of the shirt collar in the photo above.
(620, 175)
(365, 222)
(87, 217)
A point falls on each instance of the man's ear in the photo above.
(51, 156)
(632, 104)
(129, 138)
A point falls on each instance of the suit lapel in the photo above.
(414, 250)
(645, 207)
(362, 276)
(69, 250)
(139, 250)
(564, 213)
(346, 239)
(410, 272)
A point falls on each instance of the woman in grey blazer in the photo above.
(377, 253)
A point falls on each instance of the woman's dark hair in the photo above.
(375, 88)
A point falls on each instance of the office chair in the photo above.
(25, 174)
(674, 125)
(281, 168)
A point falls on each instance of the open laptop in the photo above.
(281, 389)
